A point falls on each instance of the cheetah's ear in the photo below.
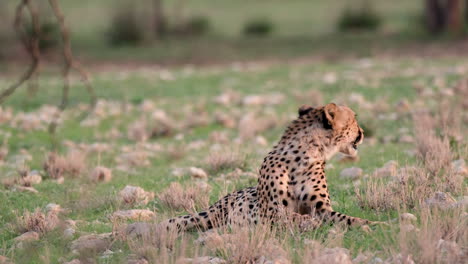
(332, 118)
(304, 109)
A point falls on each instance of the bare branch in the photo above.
(70, 63)
(30, 43)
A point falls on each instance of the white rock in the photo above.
(352, 173)
(68, 233)
(201, 260)
(441, 200)
(261, 141)
(26, 189)
(334, 256)
(389, 169)
(449, 248)
(32, 177)
(101, 174)
(28, 237)
(135, 195)
(134, 214)
(91, 243)
(53, 208)
(407, 228)
(459, 167)
(407, 217)
(198, 173)
(406, 138)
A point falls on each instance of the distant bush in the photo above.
(364, 18)
(125, 28)
(192, 26)
(198, 25)
(258, 27)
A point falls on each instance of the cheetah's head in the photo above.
(341, 124)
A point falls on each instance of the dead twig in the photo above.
(70, 64)
(30, 43)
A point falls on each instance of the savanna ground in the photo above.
(153, 124)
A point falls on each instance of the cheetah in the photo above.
(292, 176)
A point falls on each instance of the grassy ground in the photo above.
(376, 89)
(301, 28)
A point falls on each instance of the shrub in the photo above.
(125, 29)
(364, 18)
(258, 27)
(193, 26)
(198, 25)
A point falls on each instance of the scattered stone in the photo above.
(449, 249)
(463, 202)
(53, 208)
(91, 243)
(138, 131)
(137, 260)
(366, 229)
(334, 256)
(211, 239)
(441, 200)
(139, 229)
(228, 97)
(352, 173)
(406, 138)
(198, 173)
(134, 214)
(26, 189)
(348, 159)
(399, 258)
(5, 260)
(407, 217)
(403, 106)
(389, 169)
(259, 140)
(68, 233)
(135, 195)
(407, 228)
(265, 99)
(74, 261)
(362, 258)
(201, 260)
(28, 237)
(459, 167)
(101, 174)
(225, 120)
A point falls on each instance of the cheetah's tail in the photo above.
(335, 217)
(213, 217)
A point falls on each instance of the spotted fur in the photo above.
(292, 176)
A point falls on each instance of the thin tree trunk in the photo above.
(158, 18)
(435, 16)
(454, 16)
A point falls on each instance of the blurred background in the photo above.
(206, 32)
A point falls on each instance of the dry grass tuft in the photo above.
(190, 199)
(252, 124)
(407, 190)
(433, 150)
(225, 160)
(135, 195)
(73, 164)
(439, 239)
(246, 244)
(37, 221)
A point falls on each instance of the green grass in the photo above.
(301, 28)
(90, 202)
